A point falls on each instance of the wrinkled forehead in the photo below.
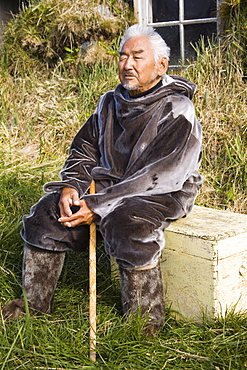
(137, 45)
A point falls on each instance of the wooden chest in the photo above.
(204, 264)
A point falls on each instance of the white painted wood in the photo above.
(205, 263)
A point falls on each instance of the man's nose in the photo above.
(128, 63)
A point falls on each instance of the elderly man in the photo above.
(142, 146)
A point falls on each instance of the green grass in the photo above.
(60, 340)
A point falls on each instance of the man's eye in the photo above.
(122, 58)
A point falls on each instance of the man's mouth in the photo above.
(129, 75)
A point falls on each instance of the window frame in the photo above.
(143, 11)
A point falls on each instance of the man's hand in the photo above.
(84, 216)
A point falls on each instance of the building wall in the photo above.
(7, 9)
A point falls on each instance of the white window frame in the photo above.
(143, 11)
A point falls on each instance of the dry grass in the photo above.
(221, 107)
(39, 117)
(50, 31)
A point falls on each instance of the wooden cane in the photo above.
(92, 285)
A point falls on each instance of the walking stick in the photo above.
(92, 285)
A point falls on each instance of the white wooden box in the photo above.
(204, 264)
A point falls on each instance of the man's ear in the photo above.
(162, 66)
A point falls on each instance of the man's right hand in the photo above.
(69, 197)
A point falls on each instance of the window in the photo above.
(180, 22)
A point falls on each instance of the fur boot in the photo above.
(40, 273)
(142, 291)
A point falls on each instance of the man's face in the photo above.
(138, 71)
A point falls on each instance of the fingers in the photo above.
(83, 217)
(75, 199)
(65, 210)
(75, 220)
(68, 221)
(68, 198)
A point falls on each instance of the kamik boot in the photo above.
(40, 272)
(142, 291)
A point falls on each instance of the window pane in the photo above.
(168, 10)
(193, 34)
(165, 10)
(194, 9)
(171, 37)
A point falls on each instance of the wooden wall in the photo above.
(7, 8)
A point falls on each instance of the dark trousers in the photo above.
(133, 232)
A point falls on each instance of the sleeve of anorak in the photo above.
(83, 156)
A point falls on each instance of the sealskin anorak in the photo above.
(144, 154)
(135, 147)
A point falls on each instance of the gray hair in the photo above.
(159, 45)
